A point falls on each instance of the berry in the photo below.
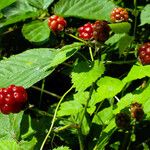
(56, 23)
(86, 31)
(136, 111)
(12, 99)
(144, 53)
(101, 31)
(119, 15)
(122, 120)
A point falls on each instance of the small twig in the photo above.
(54, 118)
(47, 92)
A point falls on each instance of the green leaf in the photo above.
(10, 126)
(84, 74)
(108, 88)
(40, 4)
(18, 18)
(36, 31)
(122, 41)
(62, 148)
(4, 3)
(33, 65)
(104, 138)
(9, 145)
(85, 127)
(138, 71)
(19, 11)
(69, 108)
(28, 145)
(145, 15)
(140, 95)
(123, 27)
(103, 117)
(88, 9)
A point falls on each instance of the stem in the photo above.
(54, 118)
(135, 21)
(91, 54)
(120, 62)
(78, 39)
(47, 92)
(80, 136)
(42, 88)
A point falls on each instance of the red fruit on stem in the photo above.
(12, 99)
(144, 53)
(119, 15)
(86, 31)
(101, 31)
(57, 23)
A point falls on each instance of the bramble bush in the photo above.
(74, 74)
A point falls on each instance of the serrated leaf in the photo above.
(18, 18)
(33, 65)
(84, 74)
(141, 96)
(4, 3)
(19, 11)
(62, 148)
(40, 4)
(115, 38)
(88, 9)
(36, 31)
(138, 71)
(122, 41)
(28, 145)
(103, 117)
(69, 108)
(145, 15)
(10, 126)
(108, 88)
(123, 27)
(85, 127)
(9, 145)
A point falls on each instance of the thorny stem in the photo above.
(47, 92)
(54, 118)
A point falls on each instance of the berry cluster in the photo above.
(137, 111)
(98, 30)
(57, 23)
(101, 31)
(119, 15)
(123, 120)
(86, 31)
(144, 53)
(12, 99)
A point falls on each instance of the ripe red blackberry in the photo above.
(57, 23)
(86, 31)
(12, 99)
(119, 15)
(101, 31)
(144, 53)
(136, 111)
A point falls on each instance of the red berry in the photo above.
(119, 15)
(137, 111)
(12, 99)
(56, 23)
(86, 31)
(101, 31)
(144, 53)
